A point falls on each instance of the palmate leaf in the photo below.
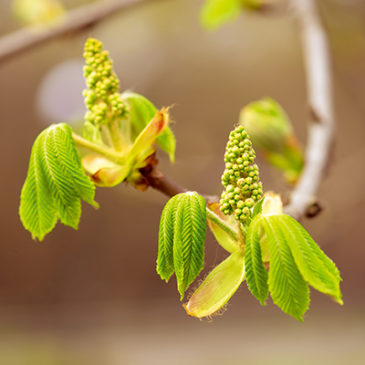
(317, 269)
(189, 239)
(165, 259)
(55, 183)
(256, 274)
(181, 239)
(287, 287)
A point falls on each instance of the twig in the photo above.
(319, 85)
(157, 180)
(322, 122)
(76, 20)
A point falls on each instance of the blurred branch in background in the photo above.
(319, 88)
(322, 121)
(321, 124)
(75, 20)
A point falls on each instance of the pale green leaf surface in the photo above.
(223, 238)
(189, 239)
(165, 260)
(256, 274)
(65, 197)
(218, 287)
(141, 112)
(55, 183)
(92, 133)
(143, 145)
(37, 209)
(316, 268)
(167, 142)
(287, 287)
(257, 209)
(104, 172)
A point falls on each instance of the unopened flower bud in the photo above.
(270, 129)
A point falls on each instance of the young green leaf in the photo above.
(167, 142)
(317, 269)
(256, 274)
(224, 239)
(218, 12)
(37, 209)
(55, 183)
(143, 145)
(189, 238)
(141, 111)
(270, 130)
(218, 287)
(257, 209)
(104, 172)
(287, 287)
(92, 133)
(165, 260)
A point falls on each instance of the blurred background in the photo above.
(92, 296)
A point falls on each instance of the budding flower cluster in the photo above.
(102, 96)
(241, 177)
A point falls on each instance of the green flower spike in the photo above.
(126, 126)
(240, 178)
(106, 172)
(120, 137)
(106, 109)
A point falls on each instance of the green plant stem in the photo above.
(125, 132)
(107, 137)
(221, 224)
(104, 151)
(156, 179)
(116, 136)
(241, 236)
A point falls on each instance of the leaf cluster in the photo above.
(120, 132)
(271, 250)
(55, 184)
(181, 239)
(295, 262)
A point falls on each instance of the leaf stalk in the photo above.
(221, 224)
(104, 151)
